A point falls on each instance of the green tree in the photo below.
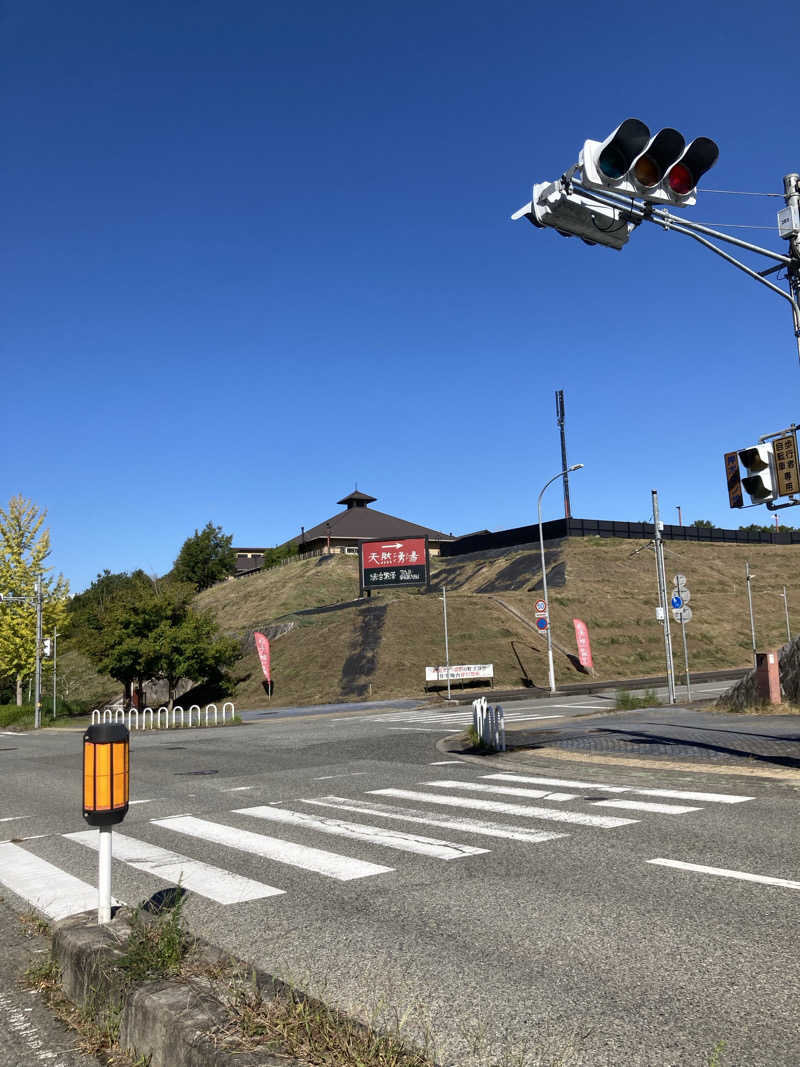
(205, 558)
(704, 524)
(24, 551)
(273, 557)
(136, 628)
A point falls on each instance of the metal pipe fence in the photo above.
(151, 718)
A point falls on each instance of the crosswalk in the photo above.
(437, 721)
(50, 872)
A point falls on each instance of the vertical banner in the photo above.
(583, 643)
(262, 647)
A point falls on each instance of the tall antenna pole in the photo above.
(564, 465)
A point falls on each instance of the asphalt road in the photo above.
(537, 919)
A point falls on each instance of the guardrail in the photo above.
(490, 724)
(137, 720)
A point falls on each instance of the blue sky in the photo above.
(255, 253)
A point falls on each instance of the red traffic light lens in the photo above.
(646, 172)
(681, 180)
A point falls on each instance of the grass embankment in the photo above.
(379, 648)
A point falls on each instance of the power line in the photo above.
(740, 192)
(736, 225)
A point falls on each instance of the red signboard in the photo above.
(394, 561)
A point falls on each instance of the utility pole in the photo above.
(55, 639)
(662, 596)
(37, 703)
(750, 605)
(564, 467)
(786, 606)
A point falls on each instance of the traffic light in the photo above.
(574, 216)
(759, 482)
(661, 169)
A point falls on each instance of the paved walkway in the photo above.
(676, 734)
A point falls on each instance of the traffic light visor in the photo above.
(755, 459)
(622, 147)
(651, 166)
(699, 157)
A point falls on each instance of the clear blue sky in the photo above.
(254, 253)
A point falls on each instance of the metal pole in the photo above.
(55, 637)
(791, 194)
(662, 595)
(564, 467)
(686, 660)
(550, 670)
(786, 606)
(37, 700)
(104, 876)
(750, 605)
(446, 645)
(680, 517)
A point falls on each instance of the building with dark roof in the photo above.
(344, 532)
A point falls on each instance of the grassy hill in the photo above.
(327, 648)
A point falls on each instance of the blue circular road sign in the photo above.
(541, 624)
(677, 602)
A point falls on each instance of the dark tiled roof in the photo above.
(363, 523)
(356, 498)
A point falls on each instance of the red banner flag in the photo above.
(262, 647)
(584, 645)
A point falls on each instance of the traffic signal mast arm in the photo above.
(638, 212)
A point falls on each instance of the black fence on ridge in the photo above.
(637, 531)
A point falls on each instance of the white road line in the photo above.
(14, 818)
(237, 789)
(606, 822)
(152, 800)
(447, 763)
(723, 873)
(682, 794)
(43, 885)
(674, 794)
(422, 729)
(606, 705)
(213, 882)
(509, 791)
(535, 780)
(467, 826)
(375, 835)
(644, 805)
(329, 864)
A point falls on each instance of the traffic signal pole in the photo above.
(662, 596)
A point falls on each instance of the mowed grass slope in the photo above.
(379, 648)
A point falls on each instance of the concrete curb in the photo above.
(169, 1020)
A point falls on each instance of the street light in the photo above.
(561, 474)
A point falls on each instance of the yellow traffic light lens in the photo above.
(681, 180)
(646, 172)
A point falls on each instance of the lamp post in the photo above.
(551, 672)
(443, 599)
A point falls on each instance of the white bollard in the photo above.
(133, 711)
(214, 706)
(95, 720)
(144, 718)
(194, 707)
(166, 717)
(226, 705)
(104, 876)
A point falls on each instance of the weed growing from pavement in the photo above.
(628, 701)
(156, 946)
(34, 925)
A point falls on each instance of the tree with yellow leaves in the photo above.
(24, 550)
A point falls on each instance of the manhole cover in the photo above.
(182, 774)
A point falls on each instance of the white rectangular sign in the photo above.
(464, 670)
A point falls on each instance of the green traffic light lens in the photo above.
(681, 180)
(646, 172)
(612, 162)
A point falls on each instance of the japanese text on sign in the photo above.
(784, 450)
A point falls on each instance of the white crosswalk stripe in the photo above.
(213, 882)
(501, 808)
(329, 864)
(504, 790)
(374, 835)
(467, 826)
(675, 794)
(45, 886)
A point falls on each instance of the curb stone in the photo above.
(168, 1020)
